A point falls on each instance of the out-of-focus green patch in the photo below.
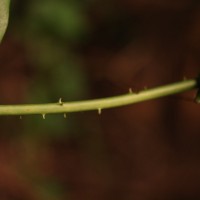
(53, 126)
(58, 72)
(51, 29)
(50, 190)
(4, 15)
(65, 19)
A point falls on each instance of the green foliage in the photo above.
(50, 190)
(62, 19)
(51, 30)
(4, 14)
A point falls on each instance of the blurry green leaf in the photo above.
(62, 18)
(4, 14)
(50, 190)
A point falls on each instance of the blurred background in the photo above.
(85, 49)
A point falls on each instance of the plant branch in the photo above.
(99, 104)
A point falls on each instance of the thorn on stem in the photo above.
(60, 101)
(99, 111)
(43, 116)
(65, 115)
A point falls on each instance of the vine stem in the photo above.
(99, 104)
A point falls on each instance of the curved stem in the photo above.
(99, 104)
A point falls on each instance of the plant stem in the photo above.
(99, 104)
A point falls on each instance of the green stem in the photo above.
(99, 104)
